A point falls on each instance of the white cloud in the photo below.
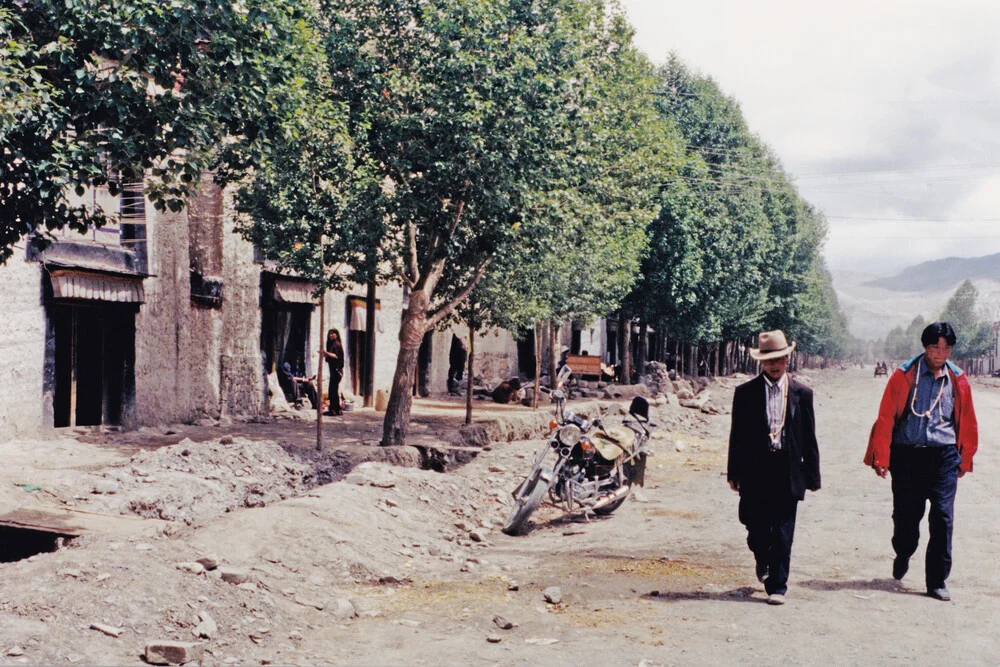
(883, 85)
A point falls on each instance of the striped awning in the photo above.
(358, 320)
(293, 291)
(93, 286)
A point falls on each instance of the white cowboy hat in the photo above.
(772, 346)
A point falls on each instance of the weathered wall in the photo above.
(495, 356)
(193, 361)
(390, 298)
(22, 348)
(240, 369)
(164, 338)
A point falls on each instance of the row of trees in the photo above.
(967, 315)
(511, 162)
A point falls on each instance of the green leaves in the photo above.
(89, 95)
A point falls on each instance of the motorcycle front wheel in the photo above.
(526, 502)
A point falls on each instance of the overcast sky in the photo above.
(886, 113)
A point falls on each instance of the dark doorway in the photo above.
(20, 543)
(357, 342)
(526, 353)
(421, 386)
(285, 335)
(93, 362)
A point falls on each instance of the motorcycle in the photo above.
(594, 469)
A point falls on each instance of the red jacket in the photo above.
(895, 402)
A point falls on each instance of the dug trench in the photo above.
(290, 569)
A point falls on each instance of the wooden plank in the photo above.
(73, 523)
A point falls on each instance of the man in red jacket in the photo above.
(926, 435)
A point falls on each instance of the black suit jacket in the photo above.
(749, 443)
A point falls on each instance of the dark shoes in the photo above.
(940, 594)
(899, 567)
(762, 572)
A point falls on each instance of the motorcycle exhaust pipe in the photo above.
(617, 495)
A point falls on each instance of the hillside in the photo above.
(926, 277)
(873, 310)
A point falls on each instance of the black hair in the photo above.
(935, 331)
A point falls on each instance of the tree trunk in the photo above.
(625, 333)
(553, 353)
(411, 333)
(468, 380)
(319, 371)
(370, 361)
(643, 347)
(538, 366)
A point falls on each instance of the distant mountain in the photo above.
(939, 273)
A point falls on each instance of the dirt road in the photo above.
(418, 558)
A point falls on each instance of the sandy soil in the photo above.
(397, 565)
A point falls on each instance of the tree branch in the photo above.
(446, 309)
(411, 231)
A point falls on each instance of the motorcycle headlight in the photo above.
(569, 435)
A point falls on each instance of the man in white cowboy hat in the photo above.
(773, 459)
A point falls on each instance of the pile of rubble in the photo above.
(191, 482)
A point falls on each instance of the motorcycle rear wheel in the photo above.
(608, 509)
(526, 502)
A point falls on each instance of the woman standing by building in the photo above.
(334, 354)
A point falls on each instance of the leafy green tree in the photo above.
(92, 94)
(972, 331)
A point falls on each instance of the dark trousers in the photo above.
(333, 390)
(770, 522)
(920, 474)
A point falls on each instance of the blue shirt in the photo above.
(939, 428)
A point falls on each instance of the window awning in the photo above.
(93, 286)
(358, 317)
(294, 291)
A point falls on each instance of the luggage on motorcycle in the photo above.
(613, 444)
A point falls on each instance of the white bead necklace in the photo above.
(776, 433)
(913, 401)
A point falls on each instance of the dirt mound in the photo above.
(190, 482)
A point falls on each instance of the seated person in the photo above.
(295, 384)
(508, 390)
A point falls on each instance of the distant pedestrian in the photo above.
(925, 435)
(458, 355)
(773, 459)
(334, 355)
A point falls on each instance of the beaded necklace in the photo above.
(913, 401)
(776, 433)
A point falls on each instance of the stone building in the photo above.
(165, 317)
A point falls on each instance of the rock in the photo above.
(512, 586)
(193, 568)
(233, 575)
(15, 651)
(679, 446)
(541, 641)
(408, 623)
(209, 562)
(494, 639)
(172, 653)
(76, 574)
(497, 468)
(226, 440)
(503, 623)
(207, 627)
(110, 631)
(553, 594)
(106, 486)
(306, 602)
(477, 536)
(343, 608)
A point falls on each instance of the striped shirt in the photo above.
(774, 403)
